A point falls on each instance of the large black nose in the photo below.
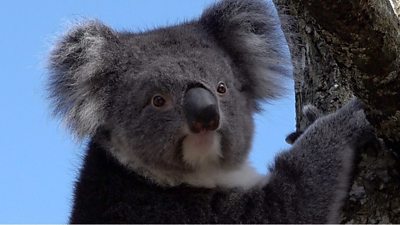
(201, 110)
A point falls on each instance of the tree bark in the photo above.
(351, 48)
(396, 6)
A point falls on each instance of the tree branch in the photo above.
(345, 48)
(365, 38)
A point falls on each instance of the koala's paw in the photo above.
(311, 113)
(353, 105)
(364, 132)
(350, 123)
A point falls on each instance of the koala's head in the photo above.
(175, 98)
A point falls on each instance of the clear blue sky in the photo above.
(39, 159)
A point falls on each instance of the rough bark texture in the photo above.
(396, 6)
(345, 48)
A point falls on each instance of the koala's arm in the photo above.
(309, 183)
(311, 180)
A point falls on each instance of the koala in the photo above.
(311, 114)
(169, 117)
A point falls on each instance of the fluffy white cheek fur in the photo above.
(202, 149)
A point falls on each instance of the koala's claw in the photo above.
(292, 137)
(354, 109)
(311, 113)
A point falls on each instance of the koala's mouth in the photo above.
(201, 149)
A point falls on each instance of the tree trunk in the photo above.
(345, 48)
(396, 6)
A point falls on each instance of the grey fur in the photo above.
(80, 65)
(97, 72)
(249, 31)
(102, 82)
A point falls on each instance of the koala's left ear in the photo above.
(250, 31)
(81, 68)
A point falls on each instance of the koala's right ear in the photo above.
(81, 66)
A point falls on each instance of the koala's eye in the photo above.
(221, 88)
(158, 101)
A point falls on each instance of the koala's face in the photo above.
(181, 107)
(178, 98)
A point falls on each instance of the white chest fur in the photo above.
(244, 177)
(203, 152)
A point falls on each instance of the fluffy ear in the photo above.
(250, 31)
(80, 68)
